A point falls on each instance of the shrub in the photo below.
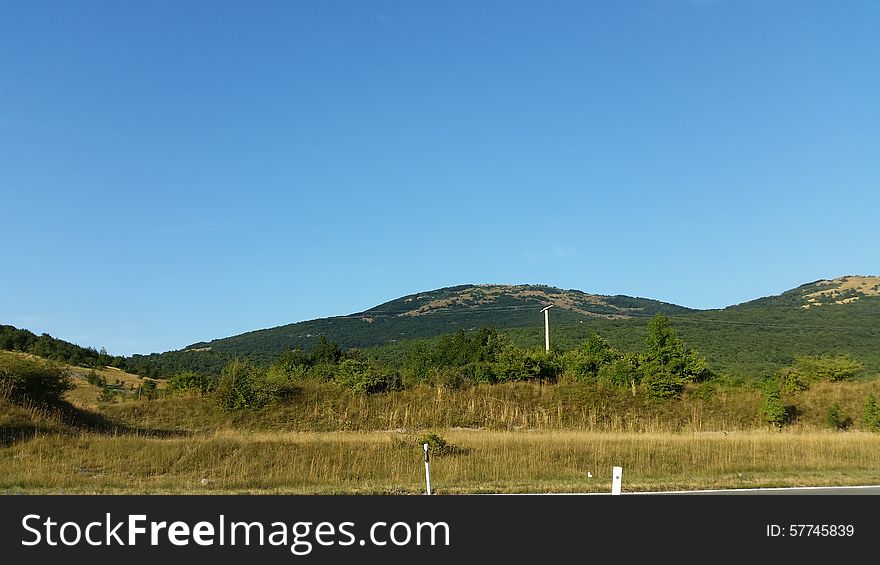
(281, 381)
(517, 364)
(239, 387)
(147, 389)
(666, 358)
(871, 414)
(35, 380)
(592, 357)
(827, 368)
(835, 418)
(621, 372)
(108, 395)
(791, 381)
(190, 381)
(772, 408)
(663, 384)
(95, 379)
(437, 445)
(367, 376)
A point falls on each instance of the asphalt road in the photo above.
(860, 490)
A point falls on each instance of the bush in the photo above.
(663, 384)
(791, 381)
(621, 372)
(449, 378)
(190, 381)
(95, 379)
(108, 395)
(592, 357)
(367, 376)
(871, 414)
(147, 389)
(835, 418)
(459, 378)
(242, 385)
(517, 364)
(827, 368)
(772, 408)
(437, 444)
(34, 380)
(667, 361)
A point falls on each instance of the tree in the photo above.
(517, 364)
(593, 356)
(460, 348)
(623, 371)
(667, 364)
(326, 352)
(826, 368)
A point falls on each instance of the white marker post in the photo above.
(616, 479)
(427, 468)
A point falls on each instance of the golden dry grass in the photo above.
(86, 395)
(486, 461)
(510, 406)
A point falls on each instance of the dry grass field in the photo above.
(510, 438)
(391, 462)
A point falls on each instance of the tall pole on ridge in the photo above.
(546, 312)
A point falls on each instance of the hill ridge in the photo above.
(839, 315)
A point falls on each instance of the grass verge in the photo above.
(391, 462)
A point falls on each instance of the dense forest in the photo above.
(48, 347)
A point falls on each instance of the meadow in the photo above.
(480, 462)
(516, 437)
(512, 438)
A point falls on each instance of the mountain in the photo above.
(429, 314)
(833, 316)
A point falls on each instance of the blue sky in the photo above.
(173, 171)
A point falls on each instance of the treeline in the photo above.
(162, 365)
(48, 347)
(456, 361)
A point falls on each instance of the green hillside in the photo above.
(417, 316)
(753, 339)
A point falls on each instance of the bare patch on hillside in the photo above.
(487, 295)
(843, 290)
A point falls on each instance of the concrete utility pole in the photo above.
(546, 312)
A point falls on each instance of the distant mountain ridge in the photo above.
(489, 297)
(751, 339)
(840, 315)
(430, 313)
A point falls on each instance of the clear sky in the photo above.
(177, 171)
